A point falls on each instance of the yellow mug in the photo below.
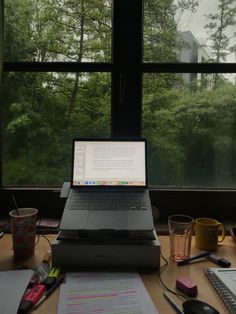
(207, 234)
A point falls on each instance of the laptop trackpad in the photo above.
(105, 219)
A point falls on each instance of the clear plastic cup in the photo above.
(180, 231)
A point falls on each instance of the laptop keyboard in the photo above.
(111, 201)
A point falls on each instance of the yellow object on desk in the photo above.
(207, 234)
(206, 292)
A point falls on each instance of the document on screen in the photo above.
(109, 163)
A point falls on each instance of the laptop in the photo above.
(108, 189)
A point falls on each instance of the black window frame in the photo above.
(127, 70)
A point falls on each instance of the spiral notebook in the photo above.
(224, 282)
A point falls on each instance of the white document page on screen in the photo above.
(109, 161)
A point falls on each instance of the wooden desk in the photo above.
(151, 280)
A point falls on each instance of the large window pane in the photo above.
(190, 123)
(41, 113)
(189, 31)
(64, 30)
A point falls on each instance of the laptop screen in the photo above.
(108, 162)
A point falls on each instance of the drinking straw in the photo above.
(17, 211)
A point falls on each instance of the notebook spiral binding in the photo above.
(226, 296)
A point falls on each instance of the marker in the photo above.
(218, 260)
(31, 298)
(49, 291)
(187, 261)
(43, 269)
(52, 277)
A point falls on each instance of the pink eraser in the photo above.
(187, 286)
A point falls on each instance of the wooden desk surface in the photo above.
(151, 280)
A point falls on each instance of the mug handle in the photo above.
(221, 238)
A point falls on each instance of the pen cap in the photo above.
(42, 271)
(224, 263)
(218, 260)
(24, 307)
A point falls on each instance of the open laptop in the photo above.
(107, 172)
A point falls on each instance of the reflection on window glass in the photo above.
(76, 31)
(189, 121)
(42, 112)
(189, 31)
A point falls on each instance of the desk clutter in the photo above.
(80, 292)
(63, 284)
(43, 225)
(23, 290)
(43, 282)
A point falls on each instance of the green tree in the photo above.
(160, 31)
(74, 31)
(207, 119)
(43, 111)
(219, 30)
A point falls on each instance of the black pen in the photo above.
(187, 261)
(50, 291)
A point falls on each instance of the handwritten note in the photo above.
(104, 293)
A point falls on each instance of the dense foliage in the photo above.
(190, 126)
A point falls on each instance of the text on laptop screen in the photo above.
(109, 163)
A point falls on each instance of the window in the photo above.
(188, 117)
(121, 68)
(45, 110)
(190, 129)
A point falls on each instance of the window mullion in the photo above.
(126, 76)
